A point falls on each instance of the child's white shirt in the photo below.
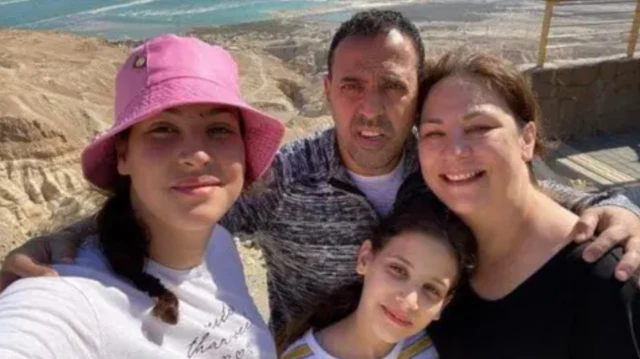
(88, 312)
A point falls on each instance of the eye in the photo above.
(219, 131)
(351, 87)
(398, 271)
(478, 129)
(163, 129)
(395, 86)
(432, 291)
(433, 134)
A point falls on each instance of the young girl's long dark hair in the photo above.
(124, 240)
(422, 212)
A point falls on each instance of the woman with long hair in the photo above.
(160, 279)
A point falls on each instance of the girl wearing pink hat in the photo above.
(161, 279)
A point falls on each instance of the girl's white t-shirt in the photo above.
(87, 312)
(418, 346)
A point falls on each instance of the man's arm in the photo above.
(252, 211)
(578, 201)
(33, 257)
(608, 218)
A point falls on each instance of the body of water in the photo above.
(143, 18)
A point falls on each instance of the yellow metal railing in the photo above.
(632, 35)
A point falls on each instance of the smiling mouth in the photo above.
(396, 318)
(197, 185)
(462, 178)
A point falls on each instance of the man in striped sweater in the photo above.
(325, 193)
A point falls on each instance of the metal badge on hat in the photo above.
(140, 62)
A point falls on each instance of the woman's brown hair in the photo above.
(124, 241)
(420, 212)
(497, 73)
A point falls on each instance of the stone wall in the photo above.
(588, 97)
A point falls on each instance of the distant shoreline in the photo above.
(118, 23)
(510, 27)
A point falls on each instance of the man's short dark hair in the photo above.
(378, 22)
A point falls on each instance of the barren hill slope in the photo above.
(56, 93)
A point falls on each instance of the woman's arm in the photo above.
(47, 318)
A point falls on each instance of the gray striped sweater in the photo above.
(311, 220)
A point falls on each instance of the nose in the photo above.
(194, 154)
(372, 105)
(409, 301)
(458, 144)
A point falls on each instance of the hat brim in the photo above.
(262, 133)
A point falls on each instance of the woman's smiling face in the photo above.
(472, 150)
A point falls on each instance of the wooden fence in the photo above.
(631, 34)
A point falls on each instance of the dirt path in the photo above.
(263, 77)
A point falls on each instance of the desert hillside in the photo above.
(56, 94)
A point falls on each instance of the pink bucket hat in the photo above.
(169, 71)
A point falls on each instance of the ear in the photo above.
(121, 154)
(444, 305)
(365, 256)
(528, 141)
(327, 88)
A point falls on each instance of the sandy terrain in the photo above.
(56, 93)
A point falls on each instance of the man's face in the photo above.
(372, 93)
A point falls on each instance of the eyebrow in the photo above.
(394, 80)
(440, 281)
(403, 260)
(436, 121)
(468, 116)
(409, 264)
(213, 111)
(350, 79)
(223, 109)
(392, 76)
(475, 113)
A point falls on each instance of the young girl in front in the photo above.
(161, 279)
(410, 269)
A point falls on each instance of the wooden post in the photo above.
(633, 35)
(544, 36)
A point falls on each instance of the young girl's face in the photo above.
(186, 165)
(406, 284)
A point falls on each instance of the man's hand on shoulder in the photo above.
(33, 258)
(611, 226)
